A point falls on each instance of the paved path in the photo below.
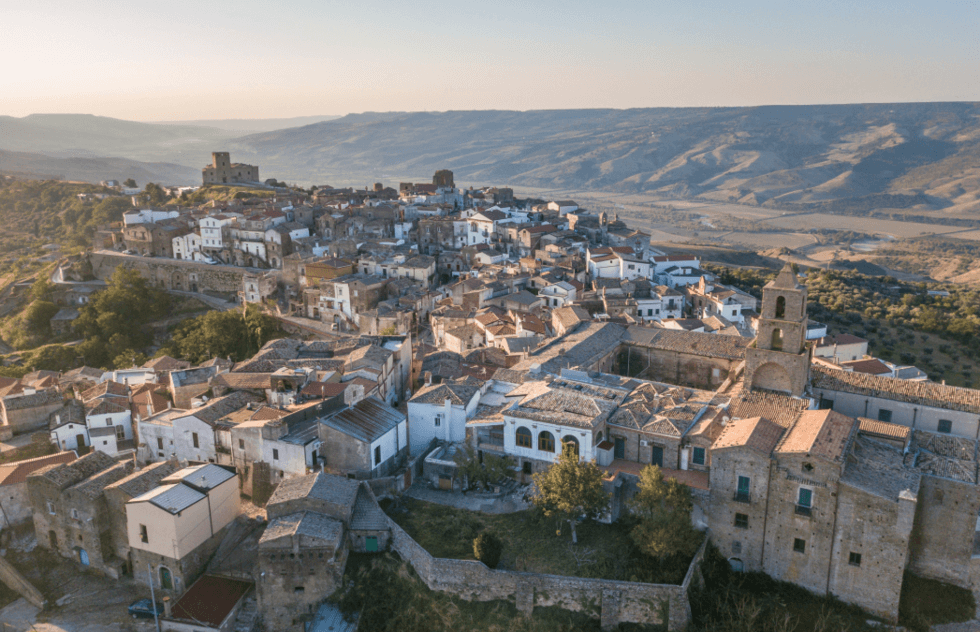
(507, 504)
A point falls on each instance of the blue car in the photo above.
(143, 609)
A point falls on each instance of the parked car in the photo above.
(143, 609)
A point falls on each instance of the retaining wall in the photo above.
(609, 600)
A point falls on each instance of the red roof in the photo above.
(210, 600)
(324, 389)
(17, 472)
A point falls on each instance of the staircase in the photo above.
(247, 617)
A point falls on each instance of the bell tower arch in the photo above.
(779, 360)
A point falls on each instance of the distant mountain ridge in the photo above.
(244, 126)
(885, 154)
(853, 157)
(94, 169)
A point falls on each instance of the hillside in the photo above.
(84, 135)
(246, 126)
(95, 169)
(870, 156)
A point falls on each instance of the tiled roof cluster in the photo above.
(909, 391)
(756, 433)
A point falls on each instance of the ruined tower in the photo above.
(779, 360)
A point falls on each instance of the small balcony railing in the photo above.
(802, 510)
(742, 497)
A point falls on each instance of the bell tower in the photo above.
(779, 360)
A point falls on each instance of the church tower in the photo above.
(780, 358)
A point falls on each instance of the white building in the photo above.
(558, 294)
(148, 216)
(187, 247)
(211, 238)
(440, 411)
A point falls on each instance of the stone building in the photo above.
(71, 513)
(223, 171)
(29, 410)
(780, 359)
(313, 522)
(15, 503)
(366, 440)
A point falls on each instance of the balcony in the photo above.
(742, 497)
(802, 510)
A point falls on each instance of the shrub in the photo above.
(487, 548)
(927, 602)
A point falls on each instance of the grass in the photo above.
(754, 602)
(409, 606)
(927, 602)
(535, 544)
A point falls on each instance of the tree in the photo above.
(129, 183)
(223, 334)
(663, 507)
(571, 489)
(487, 548)
(477, 474)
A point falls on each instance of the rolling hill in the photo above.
(847, 158)
(94, 169)
(882, 155)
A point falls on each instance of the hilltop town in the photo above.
(430, 332)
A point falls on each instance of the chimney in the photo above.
(166, 607)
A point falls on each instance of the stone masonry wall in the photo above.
(172, 274)
(609, 600)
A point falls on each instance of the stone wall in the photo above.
(674, 367)
(609, 600)
(172, 274)
(944, 553)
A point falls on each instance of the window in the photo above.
(159, 443)
(799, 545)
(275, 454)
(299, 589)
(781, 307)
(854, 559)
(438, 421)
(649, 312)
(742, 521)
(144, 536)
(742, 491)
(50, 508)
(804, 501)
(826, 404)
(569, 440)
(194, 440)
(377, 456)
(736, 547)
(546, 441)
(523, 438)
(884, 415)
(946, 426)
(698, 456)
(241, 444)
(526, 467)
(777, 339)
(108, 422)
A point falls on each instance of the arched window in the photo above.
(777, 339)
(166, 581)
(569, 440)
(523, 437)
(546, 441)
(781, 307)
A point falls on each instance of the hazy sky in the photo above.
(172, 60)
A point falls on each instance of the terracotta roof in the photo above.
(324, 389)
(253, 381)
(883, 429)
(874, 366)
(838, 339)
(821, 433)
(18, 471)
(166, 363)
(210, 600)
(780, 409)
(756, 433)
(458, 394)
(913, 392)
(105, 388)
(689, 342)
